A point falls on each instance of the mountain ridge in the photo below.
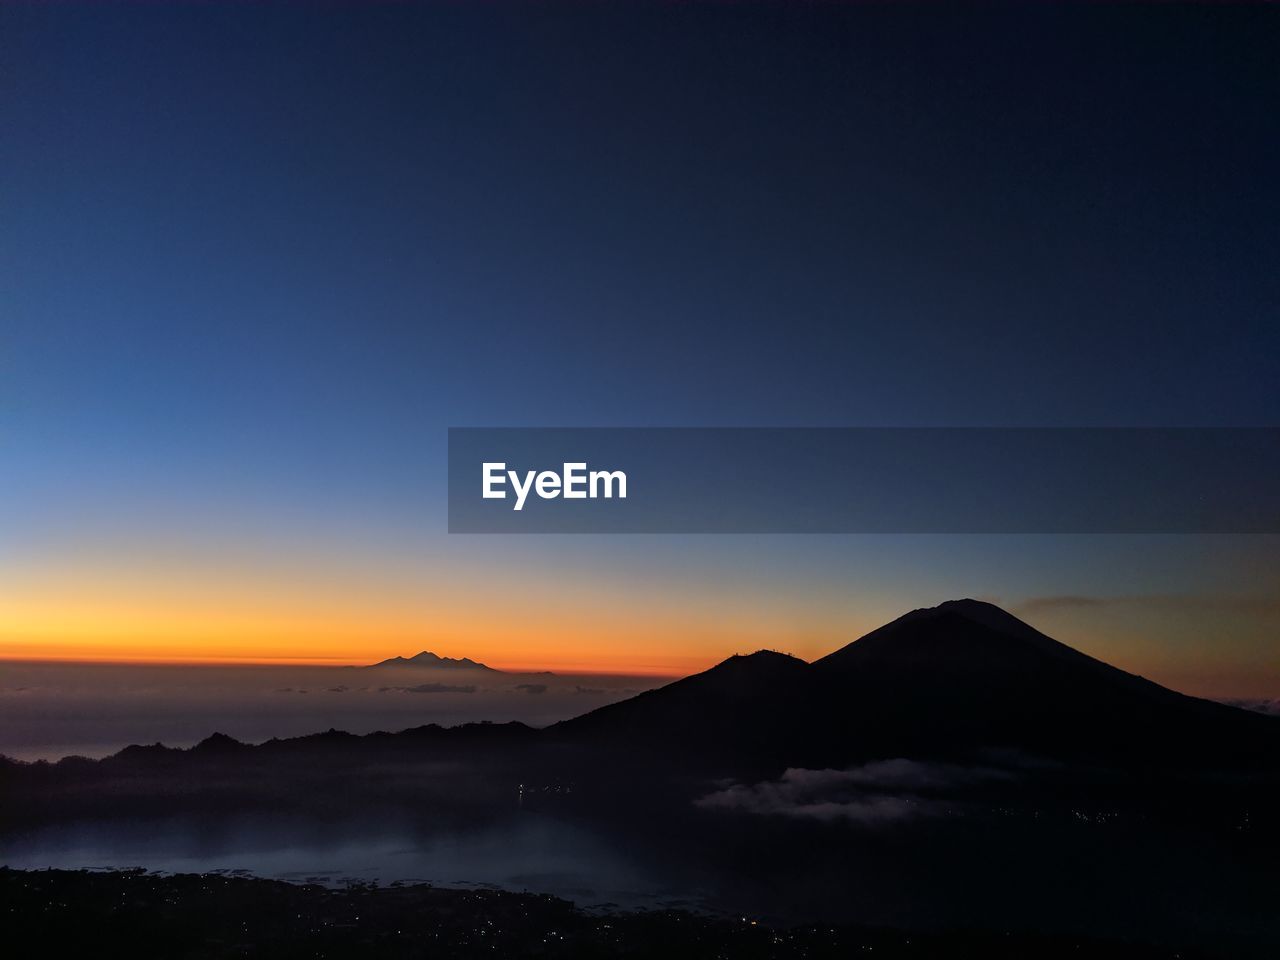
(427, 660)
(959, 678)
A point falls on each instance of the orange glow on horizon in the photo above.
(238, 650)
(571, 670)
(163, 622)
(319, 609)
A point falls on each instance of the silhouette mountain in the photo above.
(966, 673)
(961, 678)
(736, 707)
(964, 682)
(431, 661)
(220, 744)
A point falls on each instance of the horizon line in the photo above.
(333, 662)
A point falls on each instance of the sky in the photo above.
(256, 259)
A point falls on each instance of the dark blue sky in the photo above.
(257, 258)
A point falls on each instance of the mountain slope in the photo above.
(966, 674)
(745, 707)
(957, 679)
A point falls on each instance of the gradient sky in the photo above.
(257, 258)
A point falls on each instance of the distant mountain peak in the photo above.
(429, 660)
(762, 656)
(763, 666)
(968, 603)
(962, 677)
(760, 661)
(954, 628)
(966, 607)
(979, 613)
(218, 743)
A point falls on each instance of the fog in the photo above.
(52, 710)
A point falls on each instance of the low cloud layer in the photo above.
(887, 790)
(1263, 705)
(1208, 603)
(48, 711)
(440, 688)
